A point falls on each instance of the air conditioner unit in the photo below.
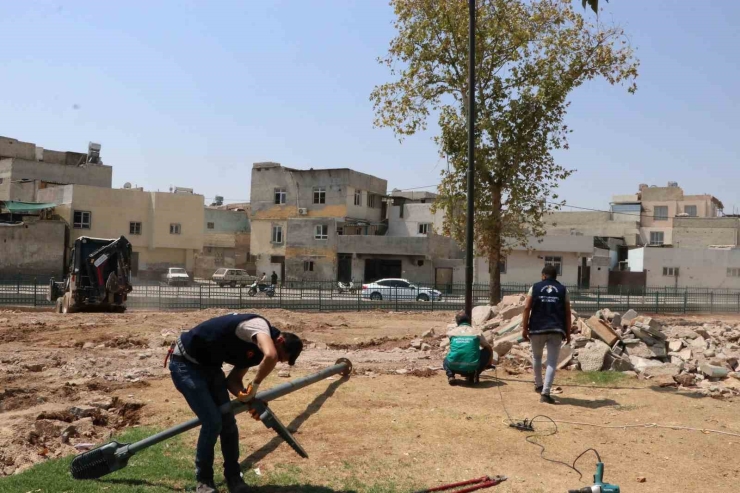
(302, 211)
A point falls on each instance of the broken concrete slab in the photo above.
(664, 370)
(502, 348)
(629, 316)
(512, 311)
(644, 351)
(482, 314)
(592, 356)
(641, 364)
(699, 343)
(616, 362)
(602, 330)
(675, 346)
(416, 343)
(510, 326)
(712, 371)
(584, 329)
(491, 324)
(564, 357)
(513, 299)
(617, 321)
(643, 335)
(429, 333)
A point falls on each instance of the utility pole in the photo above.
(469, 236)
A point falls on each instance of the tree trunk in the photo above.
(494, 246)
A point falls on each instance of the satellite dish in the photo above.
(127, 185)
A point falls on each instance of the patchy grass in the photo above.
(168, 467)
(599, 378)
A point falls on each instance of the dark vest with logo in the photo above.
(548, 308)
(214, 342)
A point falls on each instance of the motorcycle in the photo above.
(268, 289)
(344, 288)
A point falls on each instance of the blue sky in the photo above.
(191, 93)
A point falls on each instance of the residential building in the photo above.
(659, 208)
(226, 238)
(299, 215)
(688, 267)
(570, 254)
(165, 229)
(32, 246)
(26, 168)
(602, 224)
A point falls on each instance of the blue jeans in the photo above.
(204, 389)
(539, 342)
(485, 357)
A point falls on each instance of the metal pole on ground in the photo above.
(471, 162)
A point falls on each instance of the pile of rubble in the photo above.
(704, 357)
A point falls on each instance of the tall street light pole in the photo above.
(469, 237)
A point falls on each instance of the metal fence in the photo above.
(325, 296)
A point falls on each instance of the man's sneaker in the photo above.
(470, 378)
(451, 380)
(538, 388)
(206, 487)
(237, 485)
(547, 399)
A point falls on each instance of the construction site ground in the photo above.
(395, 425)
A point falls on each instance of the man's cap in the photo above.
(293, 346)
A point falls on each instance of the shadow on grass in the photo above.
(293, 426)
(139, 482)
(303, 488)
(587, 403)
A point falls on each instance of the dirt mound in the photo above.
(379, 343)
(422, 373)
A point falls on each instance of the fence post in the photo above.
(200, 297)
(359, 296)
(35, 281)
(598, 297)
(711, 302)
(280, 296)
(319, 296)
(18, 284)
(685, 300)
(301, 296)
(159, 298)
(656, 300)
(738, 302)
(396, 296)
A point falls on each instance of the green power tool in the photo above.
(599, 485)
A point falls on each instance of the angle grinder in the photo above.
(599, 485)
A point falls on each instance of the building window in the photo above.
(733, 272)
(277, 234)
(656, 238)
(371, 200)
(557, 262)
(308, 266)
(340, 230)
(175, 228)
(690, 210)
(280, 195)
(424, 228)
(321, 232)
(319, 195)
(82, 220)
(670, 271)
(358, 197)
(661, 213)
(134, 228)
(211, 226)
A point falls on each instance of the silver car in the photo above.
(401, 289)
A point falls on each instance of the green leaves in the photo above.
(530, 56)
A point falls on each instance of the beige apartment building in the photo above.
(165, 229)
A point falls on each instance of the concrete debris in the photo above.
(629, 316)
(444, 343)
(592, 356)
(425, 346)
(712, 371)
(675, 346)
(482, 314)
(284, 373)
(491, 324)
(602, 330)
(663, 370)
(685, 379)
(502, 348)
(510, 312)
(428, 334)
(416, 344)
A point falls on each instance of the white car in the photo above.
(232, 277)
(401, 289)
(176, 276)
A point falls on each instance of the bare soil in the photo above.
(395, 419)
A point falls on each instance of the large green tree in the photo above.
(530, 56)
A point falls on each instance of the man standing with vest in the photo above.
(546, 322)
(466, 356)
(242, 340)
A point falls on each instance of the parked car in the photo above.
(391, 289)
(176, 276)
(232, 277)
